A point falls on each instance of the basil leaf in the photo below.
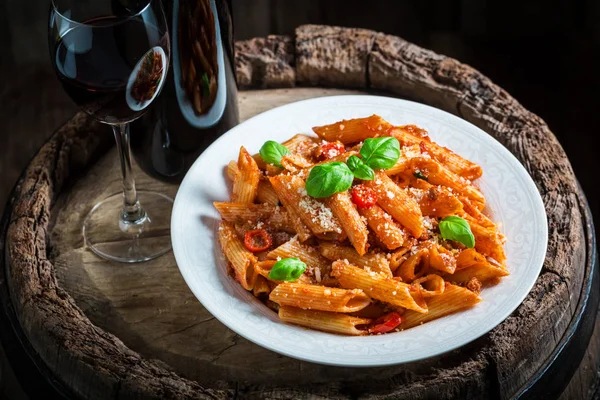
(419, 175)
(457, 228)
(380, 153)
(287, 269)
(360, 169)
(271, 152)
(327, 179)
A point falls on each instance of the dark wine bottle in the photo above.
(199, 100)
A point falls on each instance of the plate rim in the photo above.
(538, 207)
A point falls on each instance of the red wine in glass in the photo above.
(97, 60)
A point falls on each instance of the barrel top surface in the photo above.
(111, 330)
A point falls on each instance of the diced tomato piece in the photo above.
(257, 240)
(363, 196)
(386, 323)
(329, 150)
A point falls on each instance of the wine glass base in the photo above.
(109, 237)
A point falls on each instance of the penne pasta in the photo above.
(379, 287)
(354, 130)
(412, 162)
(344, 210)
(313, 213)
(475, 213)
(266, 194)
(324, 321)
(261, 287)
(287, 199)
(397, 203)
(454, 298)
(445, 177)
(434, 172)
(439, 202)
(441, 259)
(272, 170)
(245, 184)
(373, 262)
(430, 285)
(411, 135)
(401, 166)
(488, 242)
(471, 264)
(415, 266)
(315, 297)
(241, 259)
(260, 162)
(388, 232)
(398, 257)
(295, 162)
(239, 213)
(302, 230)
(303, 145)
(232, 170)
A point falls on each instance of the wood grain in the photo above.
(332, 56)
(265, 62)
(118, 331)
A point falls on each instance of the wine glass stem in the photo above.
(132, 210)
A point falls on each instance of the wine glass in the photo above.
(112, 59)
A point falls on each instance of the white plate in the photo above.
(510, 192)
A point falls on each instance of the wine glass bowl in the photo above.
(112, 59)
(105, 61)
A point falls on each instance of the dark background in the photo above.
(544, 53)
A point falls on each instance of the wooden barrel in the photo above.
(76, 326)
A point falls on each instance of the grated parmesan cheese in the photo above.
(418, 194)
(411, 151)
(427, 223)
(320, 213)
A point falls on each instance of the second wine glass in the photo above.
(112, 59)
